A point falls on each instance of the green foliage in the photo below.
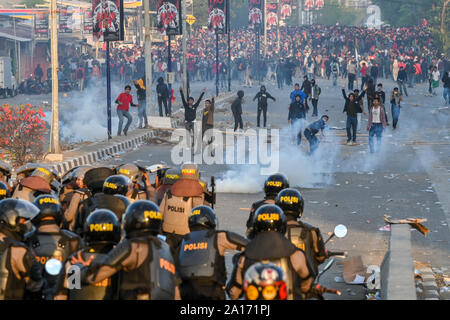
(333, 13)
(32, 3)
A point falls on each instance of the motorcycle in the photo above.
(318, 290)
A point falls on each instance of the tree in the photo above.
(22, 133)
(333, 13)
(32, 3)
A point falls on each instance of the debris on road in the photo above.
(414, 222)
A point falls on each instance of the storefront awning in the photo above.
(12, 37)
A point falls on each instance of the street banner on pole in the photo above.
(65, 20)
(217, 18)
(41, 26)
(309, 5)
(255, 14)
(107, 20)
(319, 4)
(88, 21)
(169, 17)
(272, 14)
(286, 8)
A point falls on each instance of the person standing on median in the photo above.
(124, 101)
(190, 111)
(141, 95)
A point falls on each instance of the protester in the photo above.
(124, 100)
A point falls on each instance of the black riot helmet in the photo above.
(49, 209)
(11, 212)
(101, 226)
(265, 281)
(291, 201)
(117, 184)
(4, 191)
(203, 217)
(130, 170)
(142, 218)
(274, 184)
(269, 217)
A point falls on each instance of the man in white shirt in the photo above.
(435, 77)
(376, 124)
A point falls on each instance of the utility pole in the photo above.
(54, 139)
(265, 29)
(148, 56)
(184, 39)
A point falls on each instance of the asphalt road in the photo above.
(409, 178)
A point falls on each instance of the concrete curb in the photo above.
(117, 147)
(397, 269)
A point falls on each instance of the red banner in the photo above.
(309, 5)
(272, 14)
(107, 20)
(255, 14)
(286, 9)
(217, 18)
(319, 4)
(169, 17)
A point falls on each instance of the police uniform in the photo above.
(146, 266)
(273, 184)
(304, 236)
(270, 245)
(19, 271)
(115, 203)
(201, 263)
(307, 238)
(102, 231)
(178, 202)
(50, 242)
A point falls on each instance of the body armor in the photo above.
(176, 213)
(155, 276)
(11, 288)
(199, 257)
(104, 290)
(273, 247)
(300, 235)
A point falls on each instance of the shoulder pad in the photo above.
(70, 235)
(118, 254)
(237, 239)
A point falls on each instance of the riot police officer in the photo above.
(273, 184)
(36, 184)
(5, 172)
(265, 281)
(171, 176)
(19, 271)
(72, 194)
(302, 235)
(178, 202)
(201, 262)
(142, 188)
(48, 241)
(146, 266)
(101, 233)
(100, 187)
(119, 184)
(4, 191)
(269, 243)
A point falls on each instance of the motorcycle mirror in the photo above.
(340, 231)
(53, 267)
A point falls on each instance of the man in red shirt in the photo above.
(363, 75)
(124, 101)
